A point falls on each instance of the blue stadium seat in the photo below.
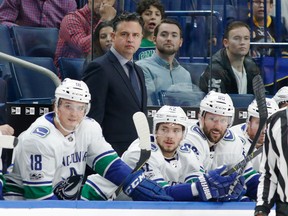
(6, 47)
(27, 83)
(241, 100)
(195, 69)
(35, 41)
(71, 67)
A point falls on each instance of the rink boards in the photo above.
(125, 208)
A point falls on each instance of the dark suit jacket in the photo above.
(113, 100)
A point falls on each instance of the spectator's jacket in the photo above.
(223, 78)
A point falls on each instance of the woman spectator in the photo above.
(101, 41)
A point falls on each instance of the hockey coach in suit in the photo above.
(114, 98)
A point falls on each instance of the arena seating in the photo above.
(35, 41)
(71, 67)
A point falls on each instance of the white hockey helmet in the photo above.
(170, 114)
(218, 103)
(272, 107)
(74, 90)
(281, 95)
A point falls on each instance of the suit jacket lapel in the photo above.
(124, 76)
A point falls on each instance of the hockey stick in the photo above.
(243, 163)
(8, 142)
(259, 92)
(143, 131)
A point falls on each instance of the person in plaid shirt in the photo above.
(36, 13)
(75, 31)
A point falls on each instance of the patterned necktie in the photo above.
(133, 79)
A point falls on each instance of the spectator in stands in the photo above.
(152, 12)
(102, 41)
(162, 71)
(75, 31)
(117, 85)
(35, 13)
(257, 25)
(232, 71)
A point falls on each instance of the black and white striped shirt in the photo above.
(274, 163)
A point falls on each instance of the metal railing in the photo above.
(31, 66)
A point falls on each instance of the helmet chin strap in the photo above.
(62, 127)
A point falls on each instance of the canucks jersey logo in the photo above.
(229, 136)
(41, 131)
(68, 189)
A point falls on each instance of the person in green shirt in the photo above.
(152, 12)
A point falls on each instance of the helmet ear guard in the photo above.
(217, 103)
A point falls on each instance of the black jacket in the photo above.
(113, 100)
(223, 78)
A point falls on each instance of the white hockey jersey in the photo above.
(228, 151)
(184, 167)
(47, 164)
(240, 130)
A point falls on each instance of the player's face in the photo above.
(168, 39)
(127, 38)
(238, 42)
(71, 113)
(105, 38)
(168, 138)
(151, 18)
(214, 126)
(252, 127)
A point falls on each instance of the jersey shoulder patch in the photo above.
(41, 131)
(196, 129)
(229, 136)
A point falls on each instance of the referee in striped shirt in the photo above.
(273, 186)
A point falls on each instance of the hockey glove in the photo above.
(213, 185)
(141, 189)
(236, 191)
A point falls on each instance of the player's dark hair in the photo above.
(168, 21)
(144, 5)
